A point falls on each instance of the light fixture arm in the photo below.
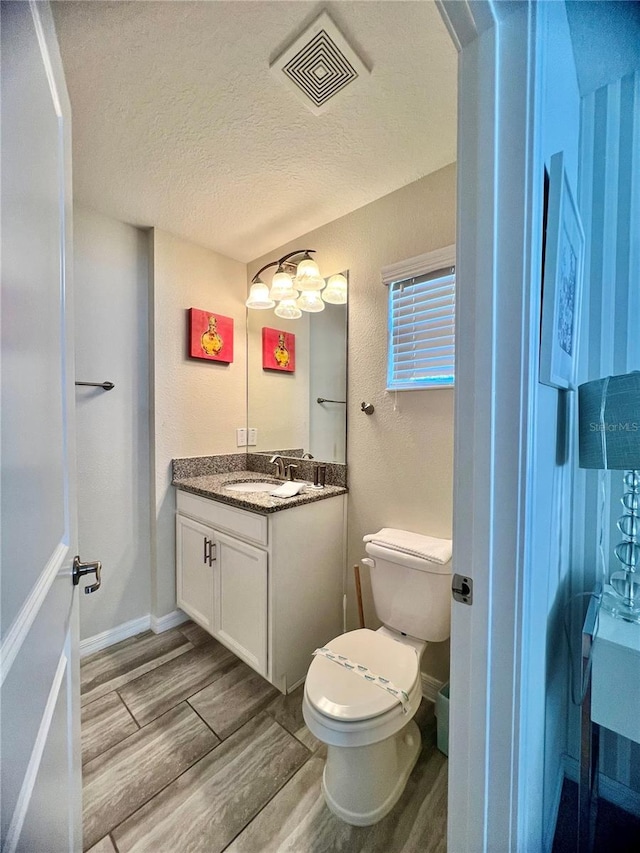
(262, 269)
(284, 260)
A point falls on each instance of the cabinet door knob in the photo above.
(212, 553)
(207, 545)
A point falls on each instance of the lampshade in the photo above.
(307, 268)
(609, 422)
(259, 296)
(282, 286)
(336, 290)
(288, 310)
(311, 301)
(308, 275)
(315, 282)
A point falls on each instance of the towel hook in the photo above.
(367, 408)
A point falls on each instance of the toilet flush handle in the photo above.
(367, 561)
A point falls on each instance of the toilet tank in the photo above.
(411, 594)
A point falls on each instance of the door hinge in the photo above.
(462, 589)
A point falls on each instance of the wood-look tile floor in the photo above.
(186, 749)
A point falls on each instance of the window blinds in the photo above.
(421, 331)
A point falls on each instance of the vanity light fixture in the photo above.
(297, 286)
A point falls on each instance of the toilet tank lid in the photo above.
(414, 550)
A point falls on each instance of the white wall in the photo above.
(401, 458)
(196, 404)
(111, 343)
(560, 109)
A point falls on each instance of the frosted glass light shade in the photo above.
(282, 286)
(311, 301)
(307, 268)
(289, 293)
(336, 290)
(259, 296)
(288, 310)
(308, 276)
(315, 282)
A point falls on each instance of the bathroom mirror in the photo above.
(283, 389)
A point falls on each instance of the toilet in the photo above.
(364, 687)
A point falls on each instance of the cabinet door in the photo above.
(241, 600)
(194, 574)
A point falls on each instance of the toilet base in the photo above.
(362, 784)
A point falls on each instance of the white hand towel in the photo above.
(426, 547)
(288, 490)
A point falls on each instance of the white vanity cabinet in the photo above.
(222, 584)
(269, 587)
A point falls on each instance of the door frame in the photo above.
(498, 207)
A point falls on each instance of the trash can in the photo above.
(442, 715)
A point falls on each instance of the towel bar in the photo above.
(106, 386)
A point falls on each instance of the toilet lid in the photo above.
(338, 693)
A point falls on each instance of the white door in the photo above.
(41, 787)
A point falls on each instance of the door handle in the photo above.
(209, 557)
(80, 569)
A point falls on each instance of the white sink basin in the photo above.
(259, 486)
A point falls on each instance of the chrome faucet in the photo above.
(278, 461)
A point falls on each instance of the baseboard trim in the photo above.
(163, 623)
(614, 792)
(430, 686)
(114, 635)
(158, 625)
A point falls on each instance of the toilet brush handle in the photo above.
(356, 571)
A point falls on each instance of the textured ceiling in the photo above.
(178, 123)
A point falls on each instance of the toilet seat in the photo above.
(340, 695)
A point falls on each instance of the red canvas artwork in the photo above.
(211, 336)
(278, 350)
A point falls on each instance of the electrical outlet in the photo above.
(253, 437)
(241, 437)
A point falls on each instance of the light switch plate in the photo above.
(253, 437)
(241, 437)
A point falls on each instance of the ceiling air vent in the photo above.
(320, 65)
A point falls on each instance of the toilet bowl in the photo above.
(364, 687)
(372, 741)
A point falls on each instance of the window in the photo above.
(421, 351)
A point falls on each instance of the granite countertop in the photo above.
(213, 486)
